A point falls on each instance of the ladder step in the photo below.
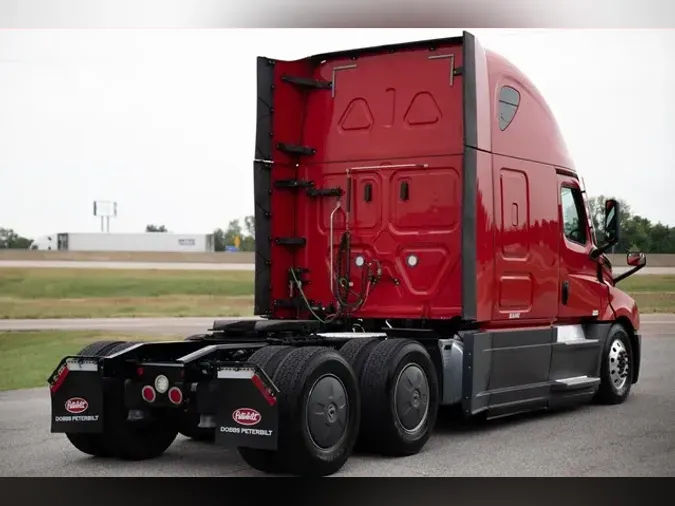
(290, 241)
(292, 184)
(295, 149)
(306, 82)
(576, 383)
(324, 192)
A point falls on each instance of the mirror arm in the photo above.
(623, 276)
(599, 250)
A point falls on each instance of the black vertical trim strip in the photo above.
(262, 184)
(469, 177)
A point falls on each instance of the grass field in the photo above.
(654, 294)
(239, 257)
(76, 293)
(28, 358)
(93, 293)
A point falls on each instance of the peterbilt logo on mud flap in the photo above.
(246, 416)
(76, 405)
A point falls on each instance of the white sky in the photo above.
(163, 121)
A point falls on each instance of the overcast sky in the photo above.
(163, 121)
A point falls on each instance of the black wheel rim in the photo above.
(411, 398)
(327, 412)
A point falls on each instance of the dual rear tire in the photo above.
(383, 394)
(319, 411)
(399, 394)
(380, 395)
(121, 438)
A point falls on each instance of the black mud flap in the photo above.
(76, 389)
(247, 414)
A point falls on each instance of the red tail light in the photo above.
(149, 394)
(266, 392)
(175, 395)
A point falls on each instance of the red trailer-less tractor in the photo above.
(422, 241)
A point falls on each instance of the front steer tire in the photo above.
(400, 398)
(616, 371)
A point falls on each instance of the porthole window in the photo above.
(509, 99)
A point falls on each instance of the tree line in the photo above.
(637, 232)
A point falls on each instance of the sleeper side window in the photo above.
(509, 99)
(573, 215)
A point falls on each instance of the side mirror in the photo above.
(636, 259)
(611, 225)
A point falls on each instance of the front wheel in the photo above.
(616, 373)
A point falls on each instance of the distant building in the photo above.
(147, 241)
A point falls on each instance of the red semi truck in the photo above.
(422, 240)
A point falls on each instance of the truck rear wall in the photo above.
(390, 128)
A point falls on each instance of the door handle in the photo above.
(565, 292)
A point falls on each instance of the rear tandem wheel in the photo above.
(121, 438)
(319, 412)
(400, 398)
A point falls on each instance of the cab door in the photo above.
(581, 293)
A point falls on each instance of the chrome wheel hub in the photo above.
(619, 365)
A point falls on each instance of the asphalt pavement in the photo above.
(636, 438)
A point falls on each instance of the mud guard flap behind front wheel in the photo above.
(76, 389)
(246, 408)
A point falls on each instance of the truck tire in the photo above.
(319, 411)
(266, 461)
(356, 352)
(121, 438)
(616, 372)
(92, 444)
(399, 392)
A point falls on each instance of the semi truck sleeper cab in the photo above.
(423, 240)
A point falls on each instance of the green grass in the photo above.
(653, 293)
(107, 293)
(42, 283)
(648, 283)
(28, 358)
